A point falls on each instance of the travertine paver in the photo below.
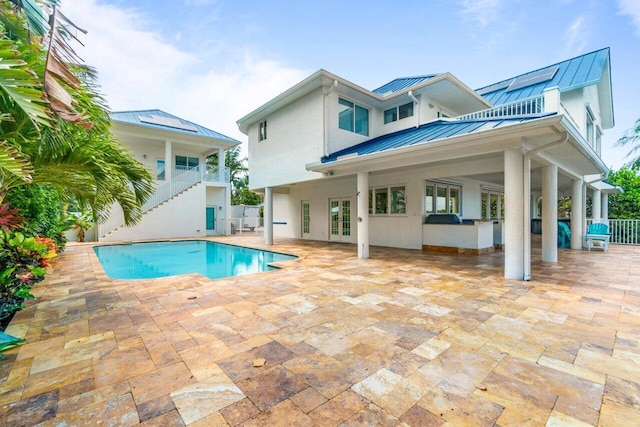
(404, 338)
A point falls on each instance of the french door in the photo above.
(306, 220)
(340, 219)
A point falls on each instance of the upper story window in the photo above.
(353, 118)
(183, 162)
(442, 198)
(591, 128)
(398, 113)
(262, 131)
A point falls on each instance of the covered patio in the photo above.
(402, 337)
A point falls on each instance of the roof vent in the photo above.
(168, 122)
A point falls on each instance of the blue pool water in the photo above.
(161, 259)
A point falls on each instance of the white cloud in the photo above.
(139, 69)
(631, 8)
(481, 11)
(577, 35)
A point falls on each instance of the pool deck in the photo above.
(403, 338)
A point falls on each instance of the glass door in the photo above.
(340, 219)
(211, 218)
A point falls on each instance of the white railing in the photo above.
(182, 179)
(623, 231)
(520, 108)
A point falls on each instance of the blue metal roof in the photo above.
(158, 119)
(571, 74)
(440, 129)
(401, 83)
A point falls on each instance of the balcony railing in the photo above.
(520, 108)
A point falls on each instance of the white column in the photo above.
(550, 214)
(221, 162)
(596, 211)
(577, 214)
(526, 218)
(268, 216)
(363, 214)
(168, 163)
(605, 208)
(514, 215)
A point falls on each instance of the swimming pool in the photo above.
(160, 259)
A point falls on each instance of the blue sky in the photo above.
(213, 61)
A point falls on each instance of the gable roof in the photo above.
(401, 83)
(439, 129)
(575, 73)
(158, 119)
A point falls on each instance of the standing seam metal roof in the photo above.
(401, 83)
(572, 74)
(427, 132)
(133, 117)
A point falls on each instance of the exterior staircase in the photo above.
(182, 181)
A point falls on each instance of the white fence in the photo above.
(252, 225)
(623, 231)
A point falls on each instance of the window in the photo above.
(398, 113)
(184, 163)
(442, 198)
(262, 131)
(387, 200)
(590, 128)
(492, 204)
(353, 118)
(160, 170)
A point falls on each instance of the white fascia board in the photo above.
(142, 131)
(467, 144)
(324, 78)
(581, 145)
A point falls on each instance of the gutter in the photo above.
(325, 114)
(414, 99)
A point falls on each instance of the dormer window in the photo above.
(398, 113)
(353, 118)
(262, 131)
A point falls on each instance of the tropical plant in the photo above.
(24, 260)
(41, 146)
(632, 136)
(80, 222)
(7, 342)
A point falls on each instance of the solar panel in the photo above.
(494, 87)
(168, 122)
(532, 79)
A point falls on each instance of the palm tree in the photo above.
(38, 145)
(632, 136)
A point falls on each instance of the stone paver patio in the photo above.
(404, 338)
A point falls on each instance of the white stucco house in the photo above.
(338, 162)
(191, 199)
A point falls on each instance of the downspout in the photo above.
(325, 114)
(527, 200)
(414, 99)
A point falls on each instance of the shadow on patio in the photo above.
(404, 337)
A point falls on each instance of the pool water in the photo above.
(161, 259)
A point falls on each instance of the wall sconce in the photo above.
(144, 156)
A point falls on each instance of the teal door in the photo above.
(211, 217)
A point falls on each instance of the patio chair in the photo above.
(564, 235)
(598, 236)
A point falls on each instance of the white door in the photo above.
(340, 219)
